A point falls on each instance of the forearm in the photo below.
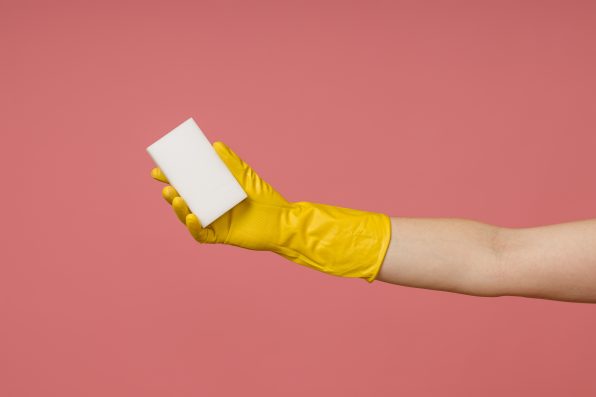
(470, 257)
(456, 255)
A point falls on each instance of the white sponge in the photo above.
(195, 170)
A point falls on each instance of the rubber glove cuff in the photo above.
(340, 241)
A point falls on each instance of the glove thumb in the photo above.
(254, 186)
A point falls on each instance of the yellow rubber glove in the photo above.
(335, 240)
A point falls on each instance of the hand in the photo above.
(251, 224)
(334, 240)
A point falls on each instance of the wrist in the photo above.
(335, 240)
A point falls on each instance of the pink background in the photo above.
(483, 110)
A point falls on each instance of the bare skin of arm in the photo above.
(458, 255)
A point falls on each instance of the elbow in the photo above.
(498, 283)
(487, 274)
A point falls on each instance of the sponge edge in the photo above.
(188, 160)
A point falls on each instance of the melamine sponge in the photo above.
(194, 169)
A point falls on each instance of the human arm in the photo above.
(457, 255)
(465, 256)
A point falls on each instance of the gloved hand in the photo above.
(335, 240)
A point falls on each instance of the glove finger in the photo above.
(158, 175)
(204, 235)
(169, 194)
(180, 208)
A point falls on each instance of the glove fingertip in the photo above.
(220, 147)
(169, 194)
(194, 227)
(158, 175)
